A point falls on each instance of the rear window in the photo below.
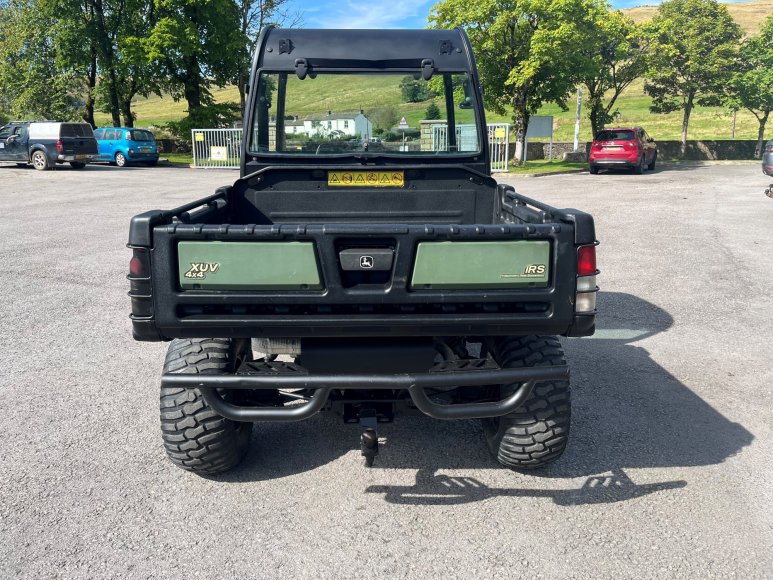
(76, 130)
(140, 135)
(622, 135)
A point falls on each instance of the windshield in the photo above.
(338, 113)
(139, 135)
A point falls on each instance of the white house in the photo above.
(351, 124)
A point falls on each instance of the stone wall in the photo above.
(667, 150)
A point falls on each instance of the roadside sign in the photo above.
(403, 124)
(218, 153)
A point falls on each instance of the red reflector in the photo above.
(59, 146)
(135, 266)
(586, 260)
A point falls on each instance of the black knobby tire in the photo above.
(536, 434)
(195, 437)
(651, 166)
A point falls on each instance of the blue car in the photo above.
(122, 145)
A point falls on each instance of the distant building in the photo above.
(350, 124)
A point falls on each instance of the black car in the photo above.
(44, 144)
(767, 159)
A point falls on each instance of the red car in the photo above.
(629, 147)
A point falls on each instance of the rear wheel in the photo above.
(195, 437)
(39, 160)
(77, 164)
(594, 170)
(639, 169)
(120, 159)
(152, 163)
(536, 434)
(651, 166)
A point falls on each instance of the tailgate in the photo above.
(357, 280)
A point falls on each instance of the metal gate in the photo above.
(467, 138)
(220, 148)
(499, 146)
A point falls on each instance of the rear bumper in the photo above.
(83, 157)
(139, 156)
(294, 377)
(614, 161)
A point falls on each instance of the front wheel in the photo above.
(195, 437)
(39, 160)
(120, 159)
(536, 434)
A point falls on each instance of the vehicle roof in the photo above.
(620, 129)
(363, 49)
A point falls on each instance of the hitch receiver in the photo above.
(369, 435)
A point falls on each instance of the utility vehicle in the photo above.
(336, 276)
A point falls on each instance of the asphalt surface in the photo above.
(668, 472)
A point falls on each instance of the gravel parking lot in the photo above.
(668, 472)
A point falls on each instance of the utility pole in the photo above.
(577, 120)
(733, 135)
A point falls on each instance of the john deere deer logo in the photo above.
(200, 270)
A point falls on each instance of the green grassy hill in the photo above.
(633, 105)
(749, 15)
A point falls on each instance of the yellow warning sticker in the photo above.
(199, 136)
(365, 178)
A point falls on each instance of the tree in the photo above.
(253, 16)
(384, 118)
(32, 82)
(527, 50)
(751, 87)
(617, 55)
(195, 44)
(692, 54)
(415, 90)
(432, 112)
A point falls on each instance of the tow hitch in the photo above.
(369, 435)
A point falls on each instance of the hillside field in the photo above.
(633, 105)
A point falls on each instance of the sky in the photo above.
(389, 14)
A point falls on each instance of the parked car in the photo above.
(629, 147)
(44, 144)
(121, 145)
(767, 159)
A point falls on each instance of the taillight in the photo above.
(59, 147)
(595, 146)
(586, 260)
(585, 297)
(139, 283)
(630, 145)
(769, 149)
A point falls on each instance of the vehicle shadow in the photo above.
(628, 413)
